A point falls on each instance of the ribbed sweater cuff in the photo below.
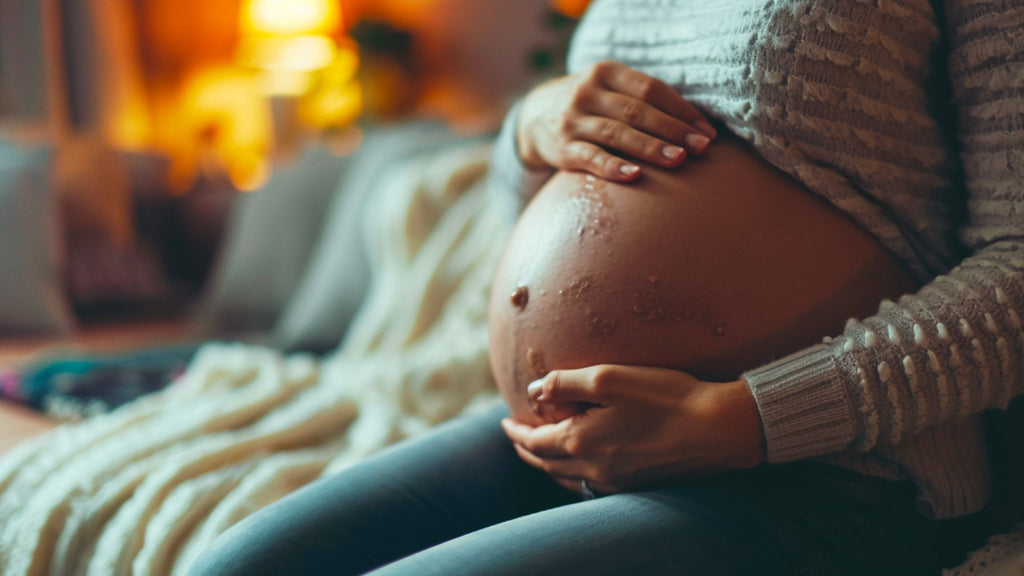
(803, 405)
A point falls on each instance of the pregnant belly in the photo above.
(713, 268)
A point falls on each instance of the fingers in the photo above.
(546, 441)
(604, 120)
(588, 157)
(625, 80)
(594, 385)
(569, 471)
(562, 467)
(638, 142)
(622, 111)
(642, 116)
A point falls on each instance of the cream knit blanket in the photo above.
(141, 490)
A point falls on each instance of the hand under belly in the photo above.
(713, 268)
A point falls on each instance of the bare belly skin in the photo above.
(712, 268)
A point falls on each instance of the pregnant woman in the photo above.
(770, 273)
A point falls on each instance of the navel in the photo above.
(520, 296)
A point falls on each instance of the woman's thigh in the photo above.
(799, 519)
(462, 477)
(459, 501)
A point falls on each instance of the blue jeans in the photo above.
(459, 501)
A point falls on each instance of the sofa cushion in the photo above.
(333, 285)
(271, 236)
(32, 298)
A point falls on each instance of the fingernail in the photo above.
(697, 141)
(706, 128)
(672, 152)
(535, 388)
(629, 169)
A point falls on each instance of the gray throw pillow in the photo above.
(32, 298)
(270, 238)
(333, 286)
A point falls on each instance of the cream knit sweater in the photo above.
(908, 115)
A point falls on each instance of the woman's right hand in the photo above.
(591, 121)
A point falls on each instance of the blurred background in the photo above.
(174, 167)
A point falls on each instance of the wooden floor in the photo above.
(18, 423)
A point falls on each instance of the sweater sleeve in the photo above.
(510, 181)
(956, 347)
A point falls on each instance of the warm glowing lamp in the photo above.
(298, 53)
(289, 40)
(285, 17)
(305, 67)
(287, 61)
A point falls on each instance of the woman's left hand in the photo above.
(632, 426)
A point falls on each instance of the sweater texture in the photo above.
(907, 115)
